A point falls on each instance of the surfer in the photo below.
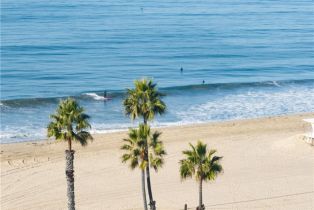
(106, 97)
(203, 82)
(181, 69)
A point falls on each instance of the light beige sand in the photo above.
(266, 164)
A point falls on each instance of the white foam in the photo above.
(252, 104)
(2, 105)
(276, 84)
(14, 134)
(98, 128)
(112, 128)
(96, 97)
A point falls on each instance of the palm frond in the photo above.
(134, 147)
(82, 137)
(186, 169)
(156, 162)
(156, 150)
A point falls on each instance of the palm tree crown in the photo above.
(200, 163)
(135, 148)
(70, 123)
(144, 101)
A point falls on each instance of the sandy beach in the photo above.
(266, 164)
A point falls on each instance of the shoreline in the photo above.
(266, 164)
(100, 133)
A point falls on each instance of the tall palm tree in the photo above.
(69, 123)
(135, 153)
(201, 163)
(144, 101)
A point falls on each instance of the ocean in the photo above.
(256, 59)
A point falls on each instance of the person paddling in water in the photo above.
(106, 97)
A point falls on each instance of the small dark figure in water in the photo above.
(105, 94)
(203, 82)
(181, 69)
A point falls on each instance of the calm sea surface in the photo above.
(255, 57)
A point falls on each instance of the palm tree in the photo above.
(202, 164)
(69, 123)
(135, 153)
(144, 101)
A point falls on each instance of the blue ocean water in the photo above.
(256, 58)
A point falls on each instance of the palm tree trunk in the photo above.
(200, 206)
(69, 171)
(70, 144)
(152, 203)
(143, 189)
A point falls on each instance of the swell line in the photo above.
(118, 94)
